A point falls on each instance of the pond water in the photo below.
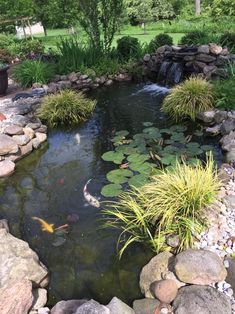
(49, 184)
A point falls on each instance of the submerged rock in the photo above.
(7, 167)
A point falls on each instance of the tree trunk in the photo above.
(198, 7)
(45, 30)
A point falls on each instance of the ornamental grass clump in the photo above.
(189, 98)
(66, 108)
(173, 203)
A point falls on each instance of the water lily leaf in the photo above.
(122, 133)
(141, 149)
(178, 137)
(178, 128)
(169, 150)
(194, 151)
(144, 168)
(111, 190)
(147, 124)
(170, 141)
(166, 131)
(126, 150)
(117, 139)
(193, 145)
(138, 180)
(151, 130)
(138, 158)
(115, 157)
(193, 162)
(169, 160)
(119, 176)
(206, 148)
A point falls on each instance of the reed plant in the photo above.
(174, 203)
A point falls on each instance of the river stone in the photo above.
(36, 143)
(18, 261)
(145, 306)
(29, 132)
(116, 306)
(39, 298)
(7, 145)
(21, 139)
(26, 149)
(201, 300)
(14, 130)
(231, 273)
(67, 307)
(220, 115)
(227, 126)
(16, 298)
(164, 290)
(92, 307)
(215, 49)
(43, 310)
(213, 131)
(171, 275)
(207, 116)
(33, 126)
(204, 49)
(7, 167)
(153, 271)
(20, 120)
(228, 141)
(205, 58)
(200, 267)
(42, 129)
(42, 137)
(230, 156)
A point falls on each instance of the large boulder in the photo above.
(18, 261)
(151, 272)
(116, 306)
(200, 267)
(145, 306)
(7, 167)
(201, 300)
(92, 307)
(16, 298)
(164, 290)
(227, 126)
(67, 307)
(7, 145)
(13, 130)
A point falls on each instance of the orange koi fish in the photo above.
(49, 227)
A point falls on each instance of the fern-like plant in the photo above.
(189, 98)
(173, 203)
(66, 108)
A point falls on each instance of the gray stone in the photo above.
(189, 58)
(200, 267)
(20, 120)
(42, 137)
(220, 116)
(230, 156)
(29, 132)
(207, 116)
(67, 307)
(7, 145)
(21, 139)
(42, 129)
(92, 307)
(43, 310)
(26, 149)
(215, 130)
(116, 306)
(147, 58)
(173, 240)
(64, 84)
(208, 70)
(108, 83)
(227, 126)
(73, 77)
(36, 143)
(204, 49)
(16, 298)
(39, 298)
(205, 58)
(52, 88)
(153, 271)
(145, 306)
(201, 300)
(18, 261)
(14, 130)
(228, 141)
(231, 273)
(7, 167)
(33, 126)
(83, 77)
(215, 49)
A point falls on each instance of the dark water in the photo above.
(49, 184)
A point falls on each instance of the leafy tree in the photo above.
(140, 10)
(223, 7)
(162, 9)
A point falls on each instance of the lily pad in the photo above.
(119, 176)
(147, 124)
(166, 131)
(169, 160)
(111, 190)
(193, 162)
(126, 150)
(144, 168)
(178, 128)
(138, 180)
(117, 139)
(122, 133)
(206, 148)
(116, 157)
(138, 158)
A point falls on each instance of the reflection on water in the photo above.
(49, 184)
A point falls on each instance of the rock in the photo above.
(215, 130)
(20, 120)
(204, 49)
(83, 77)
(173, 240)
(26, 149)
(21, 139)
(7, 145)
(13, 130)
(29, 132)
(21, 263)
(201, 300)
(36, 143)
(161, 49)
(205, 58)
(33, 126)
(4, 224)
(171, 275)
(7, 167)
(227, 126)
(231, 272)
(189, 58)
(228, 141)
(52, 88)
(199, 267)
(108, 83)
(36, 85)
(230, 156)
(73, 77)
(116, 306)
(215, 49)
(64, 84)
(145, 306)
(39, 298)
(42, 129)
(220, 115)
(92, 307)
(199, 64)
(208, 70)
(207, 116)
(153, 270)
(16, 298)
(123, 77)
(164, 290)
(2, 116)
(44, 310)
(42, 137)
(67, 307)
(147, 58)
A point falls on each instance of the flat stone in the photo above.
(200, 267)
(42, 129)
(116, 306)
(43, 310)
(67, 307)
(73, 77)
(145, 306)
(92, 307)
(33, 126)
(20, 120)
(36, 143)
(42, 137)
(164, 290)
(201, 300)
(29, 132)
(7, 145)
(205, 58)
(204, 49)
(26, 149)
(153, 271)
(21, 139)
(227, 126)
(83, 77)
(228, 141)
(207, 116)
(230, 156)
(215, 49)
(7, 167)
(199, 64)
(64, 84)
(14, 130)
(220, 116)
(108, 83)
(18, 261)
(215, 130)
(16, 298)
(39, 298)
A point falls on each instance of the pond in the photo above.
(49, 184)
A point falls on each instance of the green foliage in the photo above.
(23, 48)
(195, 37)
(158, 41)
(222, 8)
(189, 98)
(29, 72)
(225, 93)
(173, 203)
(228, 39)
(128, 47)
(66, 108)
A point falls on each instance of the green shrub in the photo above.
(29, 72)
(228, 39)
(6, 41)
(172, 204)
(27, 47)
(189, 98)
(158, 41)
(5, 56)
(225, 93)
(66, 108)
(199, 37)
(128, 47)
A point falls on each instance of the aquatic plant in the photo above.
(173, 203)
(189, 98)
(65, 108)
(32, 71)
